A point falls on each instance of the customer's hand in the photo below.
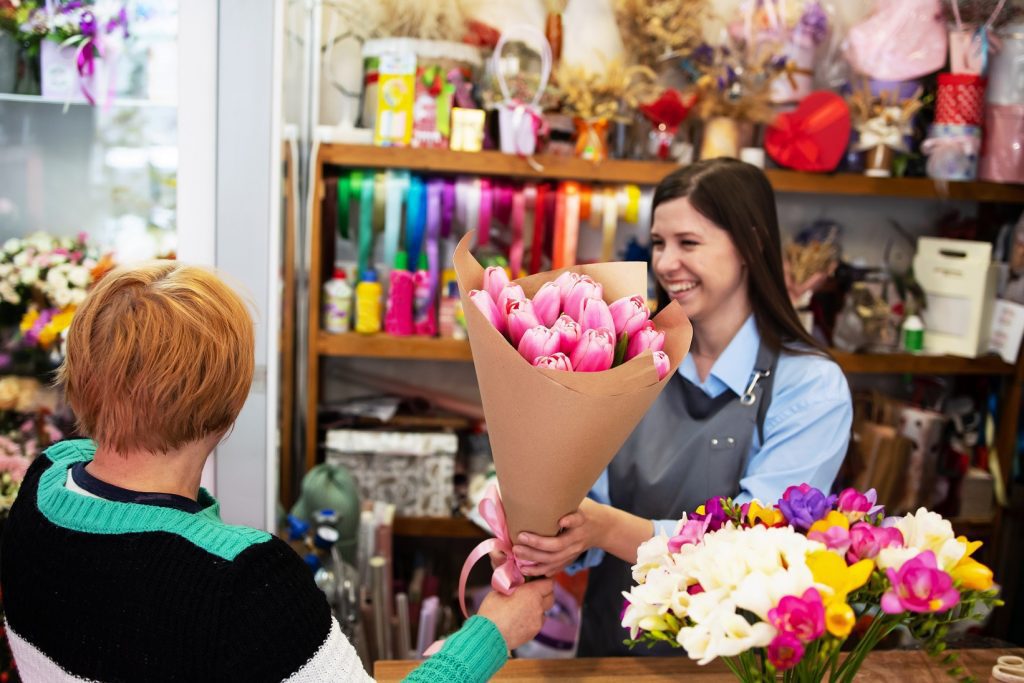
(581, 531)
(519, 616)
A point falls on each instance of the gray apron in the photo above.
(687, 448)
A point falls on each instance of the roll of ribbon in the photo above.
(515, 250)
(486, 210)
(380, 195)
(558, 238)
(365, 252)
(609, 224)
(435, 193)
(463, 189)
(415, 219)
(529, 220)
(643, 222)
(632, 214)
(585, 200)
(397, 186)
(447, 207)
(539, 226)
(597, 207)
(503, 193)
(344, 204)
(571, 232)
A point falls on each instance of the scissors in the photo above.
(1009, 669)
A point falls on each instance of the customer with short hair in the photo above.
(115, 563)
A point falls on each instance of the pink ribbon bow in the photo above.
(506, 577)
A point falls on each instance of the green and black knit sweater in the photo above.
(96, 589)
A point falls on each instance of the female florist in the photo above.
(547, 339)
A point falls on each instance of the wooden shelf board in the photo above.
(432, 348)
(437, 527)
(651, 172)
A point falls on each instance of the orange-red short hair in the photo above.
(158, 355)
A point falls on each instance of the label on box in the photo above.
(1007, 329)
(395, 94)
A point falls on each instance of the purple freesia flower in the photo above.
(714, 513)
(804, 505)
(919, 586)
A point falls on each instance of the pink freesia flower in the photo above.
(856, 505)
(919, 586)
(521, 317)
(866, 541)
(646, 338)
(556, 361)
(510, 292)
(692, 533)
(583, 288)
(802, 617)
(547, 303)
(594, 314)
(629, 314)
(15, 465)
(570, 332)
(487, 306)
(495, 279)
(785, 651)
(661, 364)
(538, 341)
(835, 538)
(594, 352)
(695, 589)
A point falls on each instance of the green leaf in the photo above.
(620, 349)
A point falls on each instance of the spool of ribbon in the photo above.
(486, 209)
(643, 221)
(506, 576)
(571, 230)
(380, 196)
(365, 220)
(415, 219)
(609, 224)
(539, 227)
(632, 212)
(435, 190)
(515, 249)
(397, 186)
(344, 204)
(558, 238)
(447, 207)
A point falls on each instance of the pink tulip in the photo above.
(594, 314)
(565, 281)
(547, 303)
(538, 341)
(583, 288)
(487, 306)
(919, 586)
(495, 279)
(594, 352)
(647, 338)
(570, 332)
(510, 292)
(661, 364)
(866, 541)
(556, 361)
(629, 313)
(520, 318)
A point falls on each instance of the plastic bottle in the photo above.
(368, 304)
(449, 306)
(912, 334)
(424, 316)
(338, 303)
(398, 315)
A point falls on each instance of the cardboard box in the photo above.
(959, 280)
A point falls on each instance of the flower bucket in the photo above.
(520, 122)
(721, 138)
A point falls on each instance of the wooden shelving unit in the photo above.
(333, 158)
(546, 167)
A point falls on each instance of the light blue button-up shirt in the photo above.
(806, 428)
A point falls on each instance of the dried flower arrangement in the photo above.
(882, 119)
(736, 82)
(435, 20)
(657, 30)
(607, 95)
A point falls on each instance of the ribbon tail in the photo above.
(479, 552)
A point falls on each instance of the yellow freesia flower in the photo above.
(839, 619)
(830, 569)
(770, 517)
(29, 319)
(832, 519)
(969, 546)
(62, 320)
(973, 575)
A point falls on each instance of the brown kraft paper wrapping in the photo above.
(552, 433)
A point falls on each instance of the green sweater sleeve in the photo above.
(472, 654)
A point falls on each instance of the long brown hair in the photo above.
(738, 198)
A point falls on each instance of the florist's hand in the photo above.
(551, 554)
(519, 616)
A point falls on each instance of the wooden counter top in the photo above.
(898, 666)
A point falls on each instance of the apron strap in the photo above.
(764, 374)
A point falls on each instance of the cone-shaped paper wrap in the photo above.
(553, 432)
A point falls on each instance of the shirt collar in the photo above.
(733, 368)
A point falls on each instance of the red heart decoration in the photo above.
(812, 138)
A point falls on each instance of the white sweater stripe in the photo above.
(33, 664)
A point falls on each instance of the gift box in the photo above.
(413, 470)
(959, 282)
(1002, 151)
(952, 151)
(1006, 69)
(960, 99)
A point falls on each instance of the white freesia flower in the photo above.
(734, 635)
(29, 275)
(926, 530)
(12, 245)
(55, 279)
(696, 640)
(78, 276)
(77, 296)
(893, 558)
(650, 554)
(9, 294)
(21, 259)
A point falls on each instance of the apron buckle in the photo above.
(749, 398)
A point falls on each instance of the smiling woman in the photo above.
(756, 407)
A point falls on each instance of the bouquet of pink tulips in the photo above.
(568, 325)
(776, 591)
(567, 363)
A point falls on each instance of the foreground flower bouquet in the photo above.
(777, 591)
